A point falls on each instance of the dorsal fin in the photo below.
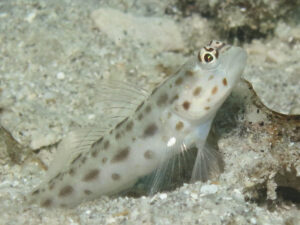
(120, 100)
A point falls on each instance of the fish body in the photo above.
(176, 116)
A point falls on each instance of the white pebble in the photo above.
(60, 75)
(253, 220)
(163, 196)
(208, 189)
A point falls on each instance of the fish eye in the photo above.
(208, 57)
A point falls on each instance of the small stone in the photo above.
(60, 75)
(208, 189)
(163, 196)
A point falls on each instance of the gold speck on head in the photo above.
(214, 90)
(186, 105)
(197, 91)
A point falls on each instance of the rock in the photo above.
(159, 33)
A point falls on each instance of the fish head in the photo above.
(214, 72)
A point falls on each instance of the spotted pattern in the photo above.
(121, 155)
(115, 176)
(149, 154)
(118, 135)
(179, 125)
(189, 73)
(129, 126)
(162, 99)
(197, 91)
(214, 90)
(224, 81)
(72, 171)
(148, 109)
(207, 108)
(186, 105)
(46, 203)
(179, 81)
(150, 130)
(65, 191)
(91, 175)
(106, 145)
(140, 116)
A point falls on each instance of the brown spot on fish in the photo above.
(190, 73)
(150, 130)
(46, 203)
(129, 126)
(210, 77)
(72, 172)
(65, 191)
(118, 135)
(92, 175)
(149, 154)
(95, 153)
(148, 109)
(115, 176)
(106, 144)
(214, 90)
(179, 125)
(207, 108)
(173, 99)
(35, 192)
(197, 91)
(179, 81)
(186, 105)
(224, 81)
(140, 116)
(87, 192)
(51, 186)
(162, 99)
(121, 155)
